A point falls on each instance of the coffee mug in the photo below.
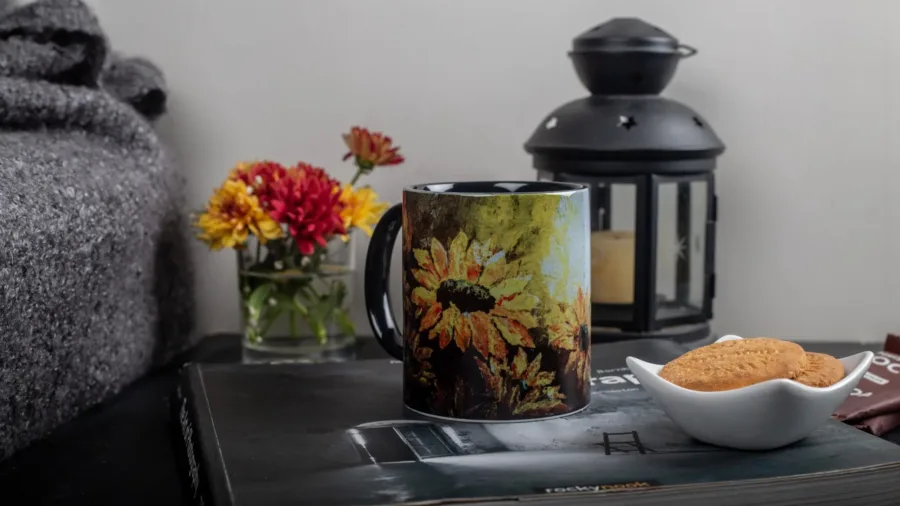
(496, 302)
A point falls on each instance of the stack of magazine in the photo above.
(337, 434)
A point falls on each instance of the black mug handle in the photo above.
(377, 276)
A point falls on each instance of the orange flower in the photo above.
(231, 215)
(471, 295)
(371, 149)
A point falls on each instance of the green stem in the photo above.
(268, 315)
(361, 168)
(292, 318)
(266, 323)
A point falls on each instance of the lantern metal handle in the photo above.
(686, 51)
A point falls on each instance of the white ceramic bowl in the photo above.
(763, 416)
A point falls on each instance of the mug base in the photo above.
(515, 420)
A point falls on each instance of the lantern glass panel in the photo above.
(613, 252)
(681, 249)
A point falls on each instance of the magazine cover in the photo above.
(343, 438)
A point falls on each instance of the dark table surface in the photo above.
(122, 453)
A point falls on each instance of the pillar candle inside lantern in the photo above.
(612, 267)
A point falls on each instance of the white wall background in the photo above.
(802, 92)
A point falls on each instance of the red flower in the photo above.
(261, 177)
(371, 149)
(308, 201)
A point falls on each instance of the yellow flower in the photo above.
(361, 209)
(240, 168)
(231, 215)
(472, 295)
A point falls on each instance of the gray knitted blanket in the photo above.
(94, 279)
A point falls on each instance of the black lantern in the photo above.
(649, 162)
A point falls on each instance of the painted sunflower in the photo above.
(579, 365)
(569, 325)
(472, 295)
(522, 387)
(419, 365)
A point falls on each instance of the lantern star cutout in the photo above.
(627, 122)
(680, 247)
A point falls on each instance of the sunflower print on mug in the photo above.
(472, 296)
(496, 312)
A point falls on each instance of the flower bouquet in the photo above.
(291, 228)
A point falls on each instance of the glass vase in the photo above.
(296, 308)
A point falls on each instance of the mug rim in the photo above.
(562, 188)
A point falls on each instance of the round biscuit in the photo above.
(735, 364)
(821, 370)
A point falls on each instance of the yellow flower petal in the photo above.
(543, 378)
(509, 287)
(458, 256)
(485, 337)
(361, 208)
(582, 307)
(444, 328)
(513, 332)
(560, 337)
(494, 270)
(462, 332)
(512, 269)
(439, 257)
(423, 258)
(423, 297)
(426, 279)
(572, 364)
(473, 267)
(522, 301)
(431, 317)
(534, 368)
(520, 364)
(523, 317)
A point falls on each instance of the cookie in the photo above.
(821, 370)
(734, 364)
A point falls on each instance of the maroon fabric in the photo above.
(874, 405)
(879, 424)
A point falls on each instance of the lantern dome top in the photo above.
(624, 128)
(626, 56)
(625, 63)
(625, 34)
